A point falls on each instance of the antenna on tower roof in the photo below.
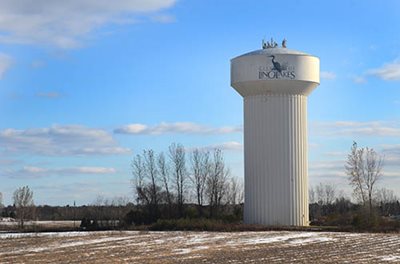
(264, 45)
(284, 43)
(267, 45)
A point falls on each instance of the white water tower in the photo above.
(275, 82)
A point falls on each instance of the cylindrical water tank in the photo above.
(274, 83)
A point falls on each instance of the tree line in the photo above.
(372, 206)
(167, 183)
(181, 183)
(178, 183)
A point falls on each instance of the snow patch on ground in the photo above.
(203, 238)
(59, 234)
(311, 240)
(182, 251)
(7, 219)
(270, 238)
(61, 245)
(47, 234)
(390, 258)
(14, 222)
(201, 248)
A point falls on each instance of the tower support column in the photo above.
(275, 151)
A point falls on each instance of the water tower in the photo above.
(275, 82)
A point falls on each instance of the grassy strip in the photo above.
(221, 226)
(214, 225)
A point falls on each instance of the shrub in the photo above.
(191, 212)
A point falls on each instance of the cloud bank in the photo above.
(5, 64)
(224, 146)
(175, 128)
(388, 72)
(231, 145)
(354, 128)
(38, 172)
(65, 23)
(60, 141)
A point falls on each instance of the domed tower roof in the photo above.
(274, 70)
(274, 51)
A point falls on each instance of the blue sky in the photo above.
(85, 85)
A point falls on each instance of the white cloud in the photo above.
(388, 72)
(327, 170)
(359, 79)
(8, 161)
(392, 154)
(328, 174)
(353, 128)
(33, 170)
(227, 146)
(313, 145)
(163, 18)
(391, 174)
(59, 141)
(335, 165)
(335, 154)
(38, 172)
(224, 146)
(328, 75)
(392, 148)
(174, 128)
(93, 170)
(65, 23)
(132, 129)
(5, 63)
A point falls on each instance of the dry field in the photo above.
(199, 247)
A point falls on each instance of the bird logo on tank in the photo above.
(277, 70)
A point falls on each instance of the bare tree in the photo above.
(240, 196)
(165, 176)
(1, 202)
(234, 191)
(364, 168)
(119, 204)
(384, 195)
(178, 164)
(97, 214)
(319, 189)
(330, 193)
(353, 169)
(138, 171)
(311, 195)
(146, 179)
(152, 175)
(386, 199)
(324, 194)
(23, 201)
(216, 182)
(200, 169)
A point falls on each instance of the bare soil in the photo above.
(199, 247)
